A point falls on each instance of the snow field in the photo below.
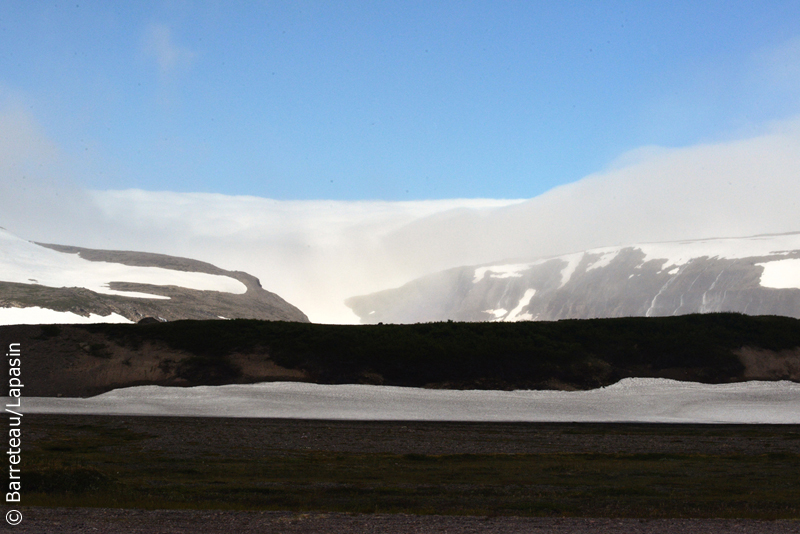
(652, 400)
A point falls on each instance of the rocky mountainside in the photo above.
(43, 283)
(757, 275)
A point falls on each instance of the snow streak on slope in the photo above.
(516, 314)
(572, 263)
(28, 263)
(631, 400)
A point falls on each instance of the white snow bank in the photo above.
(781, 274)
(36, 315)
(27, 263)
(631, 400)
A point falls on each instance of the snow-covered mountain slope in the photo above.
(757, 275)
(28, 263)
(59, 284)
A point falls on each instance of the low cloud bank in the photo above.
(730, 189)
(315, 254)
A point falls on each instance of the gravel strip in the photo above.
(82, 520)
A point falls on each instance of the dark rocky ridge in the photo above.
(183, 303)
(85, 360)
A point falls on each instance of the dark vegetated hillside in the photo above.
(563, 354)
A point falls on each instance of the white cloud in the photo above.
(158, 43)
(315, 254)
(22, 142)
(735, 188)
(37, 197)
(779, 66)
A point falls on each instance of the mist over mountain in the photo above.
(43, 283)
(318, 253)
(757, 275)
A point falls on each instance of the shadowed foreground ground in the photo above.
(121, 474)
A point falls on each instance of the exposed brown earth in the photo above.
(80, 363)
(761, 364)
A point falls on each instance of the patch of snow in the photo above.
(501, 271)
(498, 313)
(652, 400)
(605, 259)
(781, 274)
(34, 315)
(514, 315)
(22, 261)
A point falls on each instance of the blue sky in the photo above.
(388, 100)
